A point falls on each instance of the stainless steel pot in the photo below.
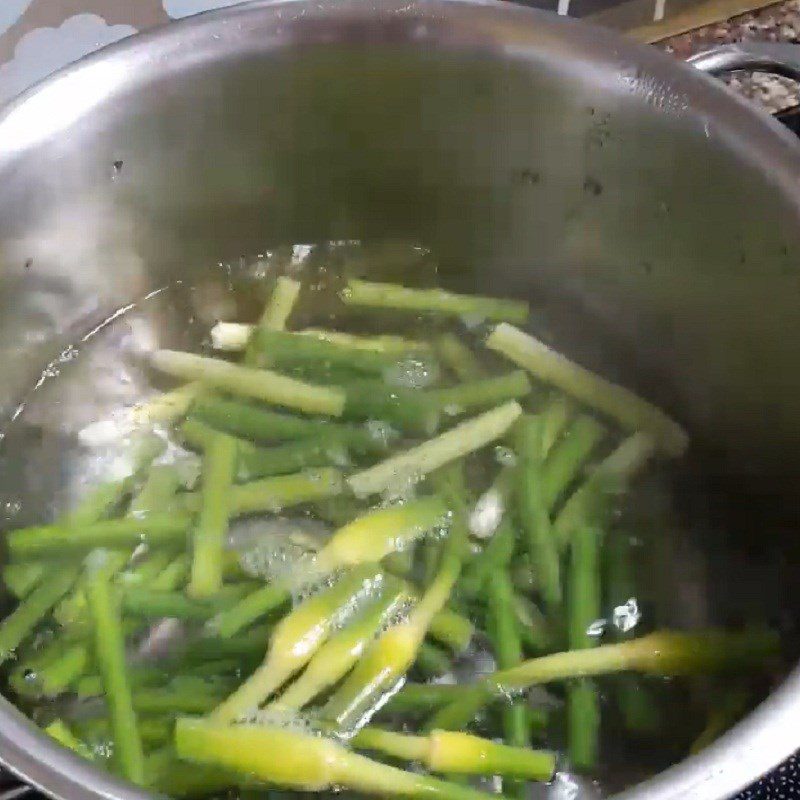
(634, 199)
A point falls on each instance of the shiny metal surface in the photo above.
(780, 58)
(637, 201)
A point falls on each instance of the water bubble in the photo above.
(597, 628)
(487, 514)
(505, 456)
(566, 786)
(412, 373)
(627, 616)
(381, 431)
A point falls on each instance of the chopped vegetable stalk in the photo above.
(24, 618)
(139, 675)
(48, 541)
(251, 608)
(432, 661)
(660, 653)
(631, 411)
(51, 677)
(169, 406)
(482, 392)
(299, 635)
(533, 511)
(302, 761)
(504, 633)
(387, 344)
(419, 697)
(612, 475)
(149, 602)
(155, 731)
(392, 654)
(109, 642)
(410, 410)
(261, 384)
(276, 493)
(59, 731)
(219, 461)
(368, 538)
(99, 503)
(20, 579)
(376, 675)
(341, 652)
(174, 778)
(458, 358)
(261, 462)
(534, 630)
(583, 701)
(460, 753)
(497, 553)
(287, 349)
(377, 533)
(417, 462)
(261, 424)
(159, 489)
(555, 416)
(565, 459)
(390, 295)
(281, 303)
(173, 575)
(449, 628)
(175, 700)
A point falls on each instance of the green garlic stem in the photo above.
(661, 653)
(481, 392)
(583, 700)
(259, 384)
(159, 489)
(260, 424)
(288, 349)
(376, 534)
(109, 643)
(24, 618)
(262, 462)
(533, 511)
(59, 731)
(504, 634)
(275, 493)
(555, 416)
(414, 464)
(301, 761)
(26, 544)
(568, 456)
(298, 636)
(458, 358)
(337, 656)
(20, 579)
(590, 501)
(622, 405)
(281, 304)
(410, 410)
(216, 501)
(389, 295)
(389, 345)
(460, 753)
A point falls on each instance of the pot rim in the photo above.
(768, 735)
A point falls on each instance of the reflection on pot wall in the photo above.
(38, 37)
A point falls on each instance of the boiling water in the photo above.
(667, 554)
